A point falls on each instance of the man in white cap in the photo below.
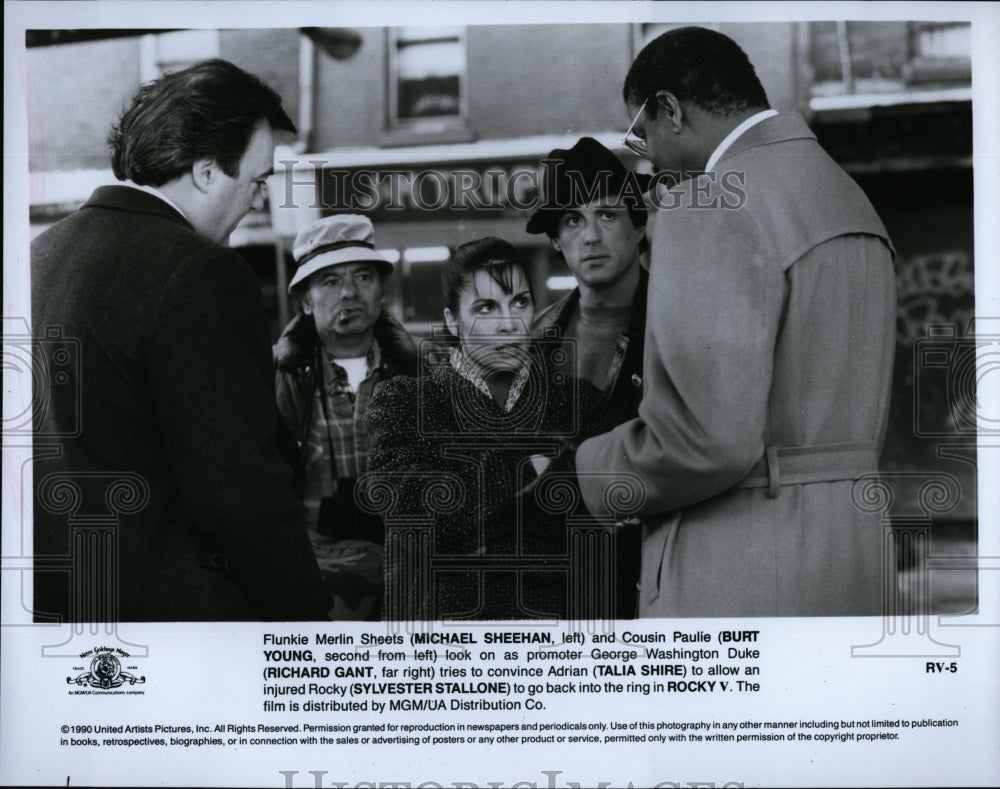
(328, 361)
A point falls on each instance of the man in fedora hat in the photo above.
(328, 361)
(593, 212)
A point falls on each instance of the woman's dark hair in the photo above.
(494, 255)
(699, 66)
(208, 111)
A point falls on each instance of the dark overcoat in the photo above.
(623, 385)
(770, 337)
(165, 440)
(452, 460)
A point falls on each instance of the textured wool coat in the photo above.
(172, 395)
(769, 345)
(454, 461)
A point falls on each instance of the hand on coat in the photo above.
(556, 483)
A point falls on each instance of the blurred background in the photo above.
(460, 113)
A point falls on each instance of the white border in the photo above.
(208, 672)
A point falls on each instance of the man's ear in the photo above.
(666, 102)
(451, 323)
(306, 301)
(555, 244)
(204, 174)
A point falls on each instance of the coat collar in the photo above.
(778, 128)
(136, 201)
(299, 342)
(471, 373)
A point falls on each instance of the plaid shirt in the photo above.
(337, 427)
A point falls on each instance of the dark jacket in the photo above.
(298, 357)
(624, 398)
(446, 456)
(165, 439)
(626, 391)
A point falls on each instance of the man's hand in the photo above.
(562, 465)
(540, 462)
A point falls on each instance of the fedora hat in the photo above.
(585, 172)
(332, 240)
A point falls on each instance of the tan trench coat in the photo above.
(769, 337)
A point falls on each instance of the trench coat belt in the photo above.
(818, 463)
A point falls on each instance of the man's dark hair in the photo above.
(209, 110)
(637, 215)
(699, 66)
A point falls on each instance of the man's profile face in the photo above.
(599, 243)
(232, 198)
(661, 149)
(344, 300)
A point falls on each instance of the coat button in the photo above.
(637, 380)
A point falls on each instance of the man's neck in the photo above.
(161, 192)
(179, 194)
(619, 293)
(711, 130)
(354, 346)
(735, 133)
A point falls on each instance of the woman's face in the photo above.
(492, 323)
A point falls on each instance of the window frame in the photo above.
(432, 124)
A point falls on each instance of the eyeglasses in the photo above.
(633, 141)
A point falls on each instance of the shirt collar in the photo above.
(734, 135)
(157, 193)
(470, 372)
(373, 358)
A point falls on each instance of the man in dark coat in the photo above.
(167, 496)
(595, 217)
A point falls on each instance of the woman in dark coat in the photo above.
(451, 450)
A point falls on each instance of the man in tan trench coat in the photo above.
(768, 353)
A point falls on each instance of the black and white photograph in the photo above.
(605, 386)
